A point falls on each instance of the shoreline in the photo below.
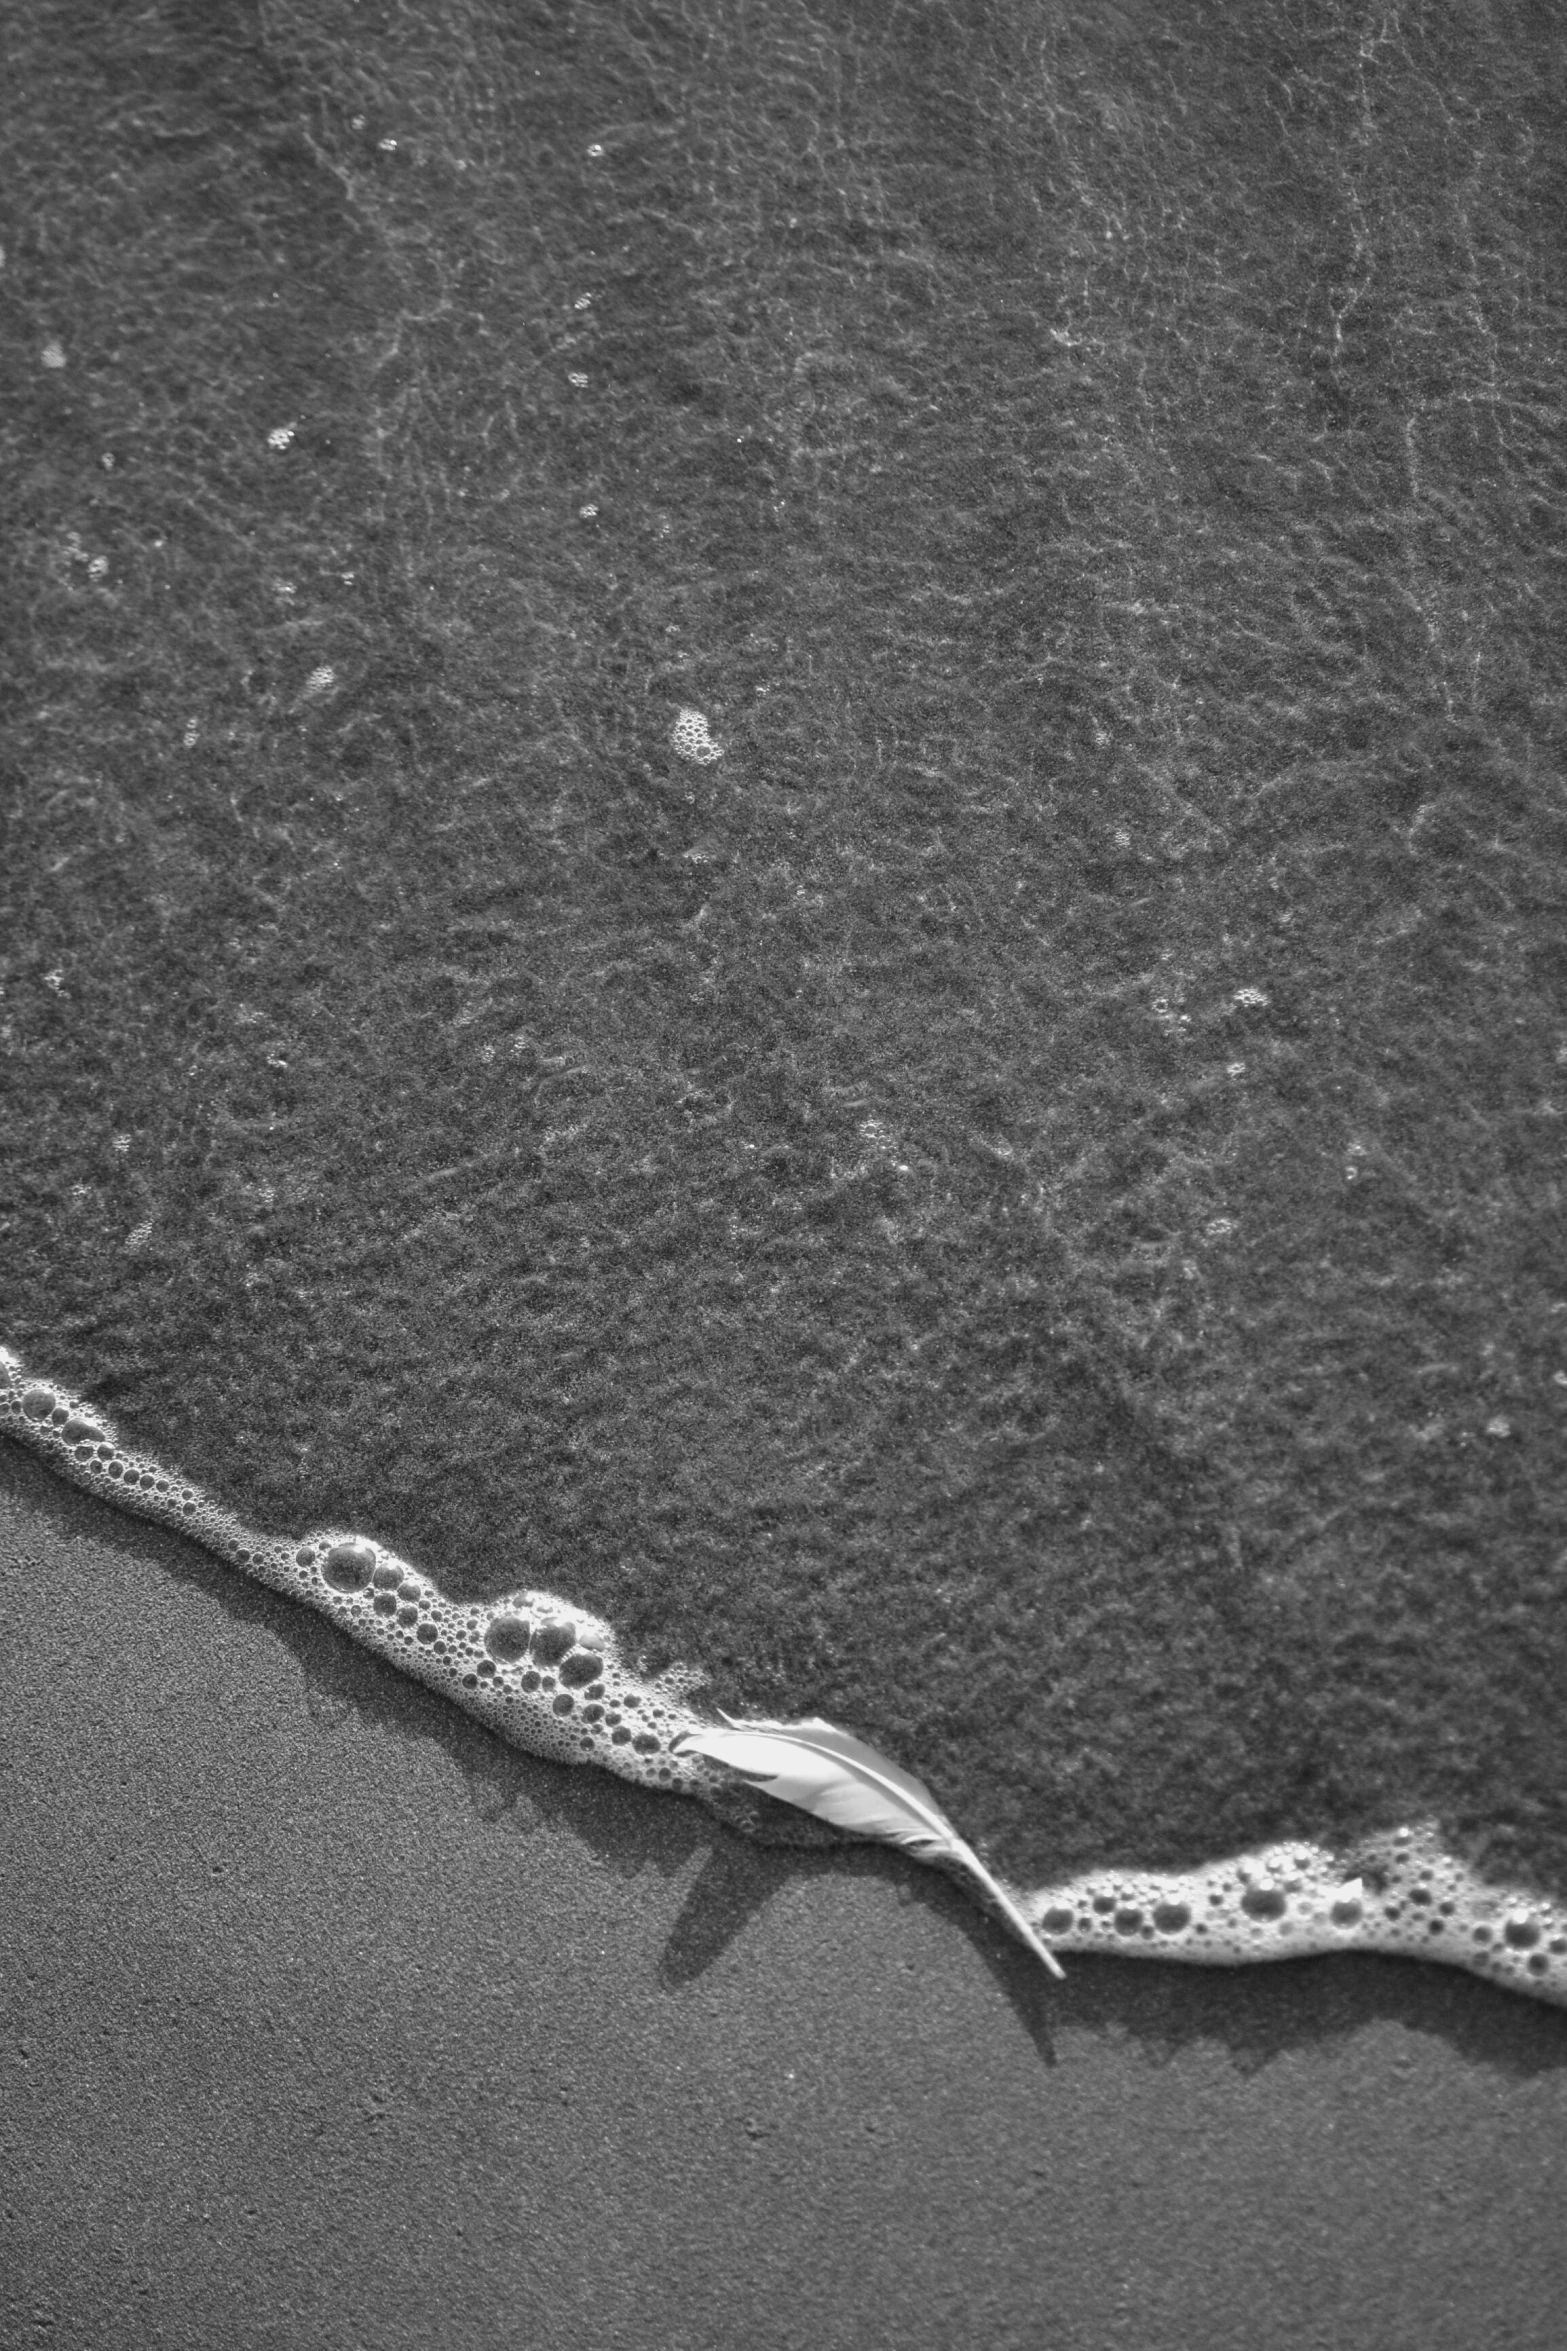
(332, 2016)
(558, 1685)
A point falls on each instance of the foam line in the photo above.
(1399, 1894)
(550, 1678)
(545, 1675)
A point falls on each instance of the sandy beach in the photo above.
(331, 2020)
(787, 854)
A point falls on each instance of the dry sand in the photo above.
(330, 2020)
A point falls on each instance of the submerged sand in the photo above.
(1017, 1208)
(330, 2019)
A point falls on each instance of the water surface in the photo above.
(1019, 1207)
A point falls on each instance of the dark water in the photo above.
(1021, 1207)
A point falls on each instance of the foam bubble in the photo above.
(544, 1674)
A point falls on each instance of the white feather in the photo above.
(839, 1778)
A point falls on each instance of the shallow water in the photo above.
(1019, 1206)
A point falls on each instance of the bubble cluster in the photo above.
(691, 740)
(546, 1675)
(1399, 1894)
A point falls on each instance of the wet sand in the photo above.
(330, 2020)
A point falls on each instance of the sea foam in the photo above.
(545, 1675)
(1398, 1893)
(550, 1677)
